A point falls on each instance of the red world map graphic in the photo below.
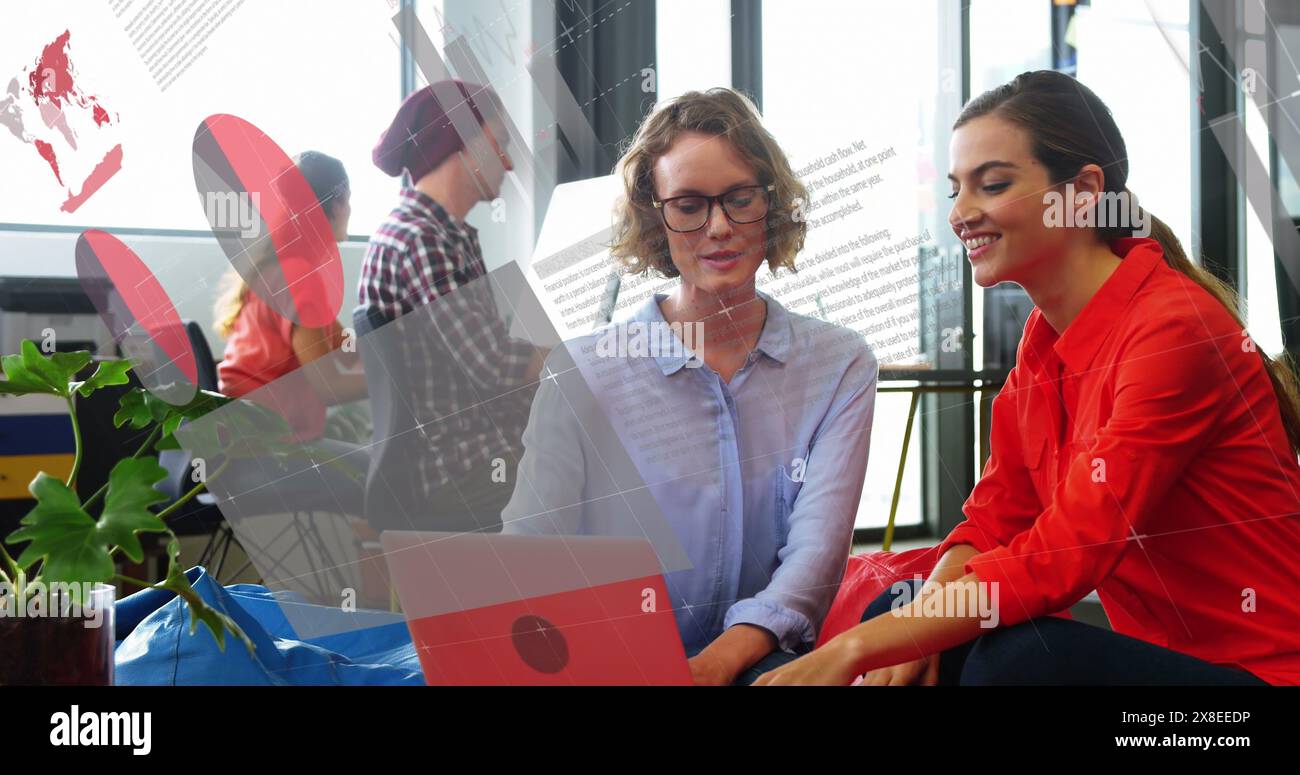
(60, 102)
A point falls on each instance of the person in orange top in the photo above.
(1143, 445)
(262, 345)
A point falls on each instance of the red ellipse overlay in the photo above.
(129, 299)
(238, 168)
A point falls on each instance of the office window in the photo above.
(1134, 55)
(693, 45)
(1263, 316)
(1008, 37)
(853, 92)
(433, 15)
(1288, 129)
(1263, 29)
(1286, 123)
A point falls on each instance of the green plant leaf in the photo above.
(75, 547)
(139, 408)
(204, 401)
(167, 442)
(67, 364)
(126, 506)
(107, 373)
(200, 611)
(242, 429)
(32, 372)
(245, 429)
(57, 369)
(13, 387)
(61, 534)
(172, 422)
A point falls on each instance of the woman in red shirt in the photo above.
(262, 345)
(1143, 446)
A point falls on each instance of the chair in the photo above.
(207, 365)
(385, 370)
(103, 446)
(399, 362)
(274, 537)
(106, 445)
(200, 516)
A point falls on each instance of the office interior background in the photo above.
(826, 74)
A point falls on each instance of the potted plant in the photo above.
(56, 597)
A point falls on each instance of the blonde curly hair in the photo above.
(640, 238)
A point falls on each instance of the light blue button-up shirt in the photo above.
(758, 480)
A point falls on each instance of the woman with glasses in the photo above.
(748, 424)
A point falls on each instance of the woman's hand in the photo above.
(891, 640)
(830, 665)
(730, 654)
(918, 672)
(708, 670)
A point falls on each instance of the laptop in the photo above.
(494, 609)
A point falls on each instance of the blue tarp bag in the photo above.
(155, 647)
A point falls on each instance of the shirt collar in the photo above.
(425, 206)
(1086, 333)
(774, 341)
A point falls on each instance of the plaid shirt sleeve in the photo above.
(437, 270)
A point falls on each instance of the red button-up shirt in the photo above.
(1142, 454)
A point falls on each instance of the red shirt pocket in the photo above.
(1034, 453)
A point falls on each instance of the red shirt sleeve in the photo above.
(1004, 502)
(1170, 385)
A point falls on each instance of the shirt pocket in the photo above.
(1080, 451)
(1033, 451)
(789, 480)
(1032, 445)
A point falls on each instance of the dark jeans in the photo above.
(1050, 651)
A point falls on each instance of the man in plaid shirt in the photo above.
(470, 383)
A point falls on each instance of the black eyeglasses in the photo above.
(743, 204)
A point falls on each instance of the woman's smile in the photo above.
(979, 243)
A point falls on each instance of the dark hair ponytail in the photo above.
(325, 175)
(328, 180)
(1069, 126)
